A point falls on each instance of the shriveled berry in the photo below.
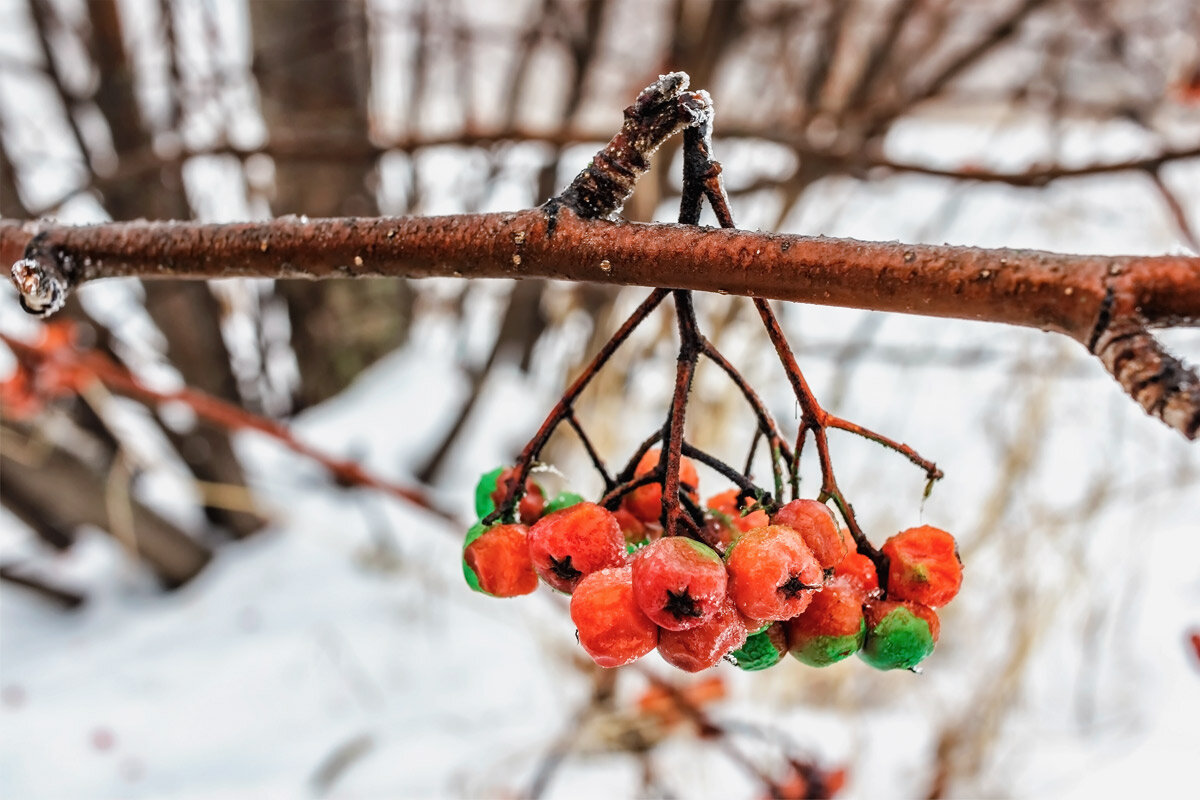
(703, 646)
(816, 525)
(858, 571)
(496, 560)
(532, 503)
(763, 649)
(678, 582)
(562, 500)
(645, 502)
(725, 504)
(900, 634)
(772, 573)
(573, 542)
(924, 566)
(612, 629)
(831, 628)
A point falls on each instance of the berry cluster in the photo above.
(745, 575)
(750, 586)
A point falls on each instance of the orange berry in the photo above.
(924, 566)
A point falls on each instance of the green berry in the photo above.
(484, 504)
(821, 651)
(762, 650)
(563, 500)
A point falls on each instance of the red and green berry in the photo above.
(496, 560)
(678, 582)
(900, 634)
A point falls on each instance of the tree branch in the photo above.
(1064, 293)
(1083, 297)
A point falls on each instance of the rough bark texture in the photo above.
(1052, 291)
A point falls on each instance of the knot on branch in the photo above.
(42, 278)
(663, 108)
(1162, 384)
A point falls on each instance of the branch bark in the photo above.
(1063, 293)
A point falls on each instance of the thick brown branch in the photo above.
(1064, 293)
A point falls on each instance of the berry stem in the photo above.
(565, 406)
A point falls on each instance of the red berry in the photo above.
(817, 526)
(924, 566)
(831, 628)
(634, 529)
(645, 502)
(858, 571)
(498, 559)
(529, 509)
(573, 542)
(703, 646)
(726, 504)
(612, 629)
(678, 582)
(772, 573)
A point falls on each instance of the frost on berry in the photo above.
(859, 572)
(817, 526)
(645, 502)
(573, 542)
(772, 573)
(763, 649)
(900, 634)
(678, 582)
(702, 647)
(924, 566)
(612, 629)
(831, 628)
(496, 561)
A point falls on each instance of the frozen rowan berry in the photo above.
(612, 629)
(484, 504)
(634, 530)
(645, 502)
(570, 543)
(562, 500)
(816, 525)
(859, 572)
(725, 505)
(678, 582)
(772, 573)
(703, 646)
(532, 503)
(496, 560)
(831, 628)
(763, 649)
(924, 566)
(900, 633)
